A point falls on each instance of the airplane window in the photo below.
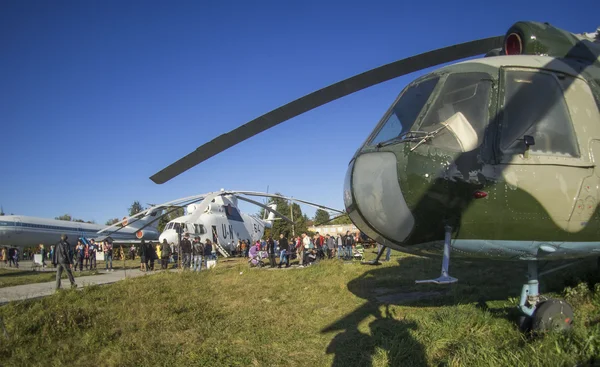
(405, 111)
(534, 105)
(464, 96)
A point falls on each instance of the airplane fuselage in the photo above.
(23, 231)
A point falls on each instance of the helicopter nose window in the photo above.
(534, 105)
(403, 114)
(466, 95)
(170, 225)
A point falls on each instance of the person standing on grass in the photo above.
(79, 255)
(165, 253)
(197, 251)
(92, 251)
(207, 252)
(108, 255)
(186, 249)
(62, 260)
(283, 248)
(43, 254)
(142, 255)
(150, 255)
(271, 251)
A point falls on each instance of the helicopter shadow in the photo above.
(480, 282)
(387, 334)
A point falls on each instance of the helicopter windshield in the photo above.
(462, 106)
(406, 110)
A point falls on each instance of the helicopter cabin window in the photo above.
(459, 115)
(534, 105)
(200, 229)
(170, 225)
(405, 111)
(177, 228)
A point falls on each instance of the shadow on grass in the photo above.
(387, 334)
(480, 282)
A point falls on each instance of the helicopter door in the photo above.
(579, 98)
(543, 163)
(214, 234)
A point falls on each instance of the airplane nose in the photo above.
(372, 195)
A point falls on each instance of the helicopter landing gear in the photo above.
(545, 315)
(444, 277)
(376, 261)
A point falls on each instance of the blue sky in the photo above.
(96, 96)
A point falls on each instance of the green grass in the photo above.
(326, 315)
(24, 275)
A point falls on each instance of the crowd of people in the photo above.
(10, 256)
(305, 248)
(193, 253)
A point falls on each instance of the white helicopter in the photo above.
(216, 216)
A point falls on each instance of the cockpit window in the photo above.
(459, 114)
(170, 225)
(534, 105)
(405, 111)
(177, 227)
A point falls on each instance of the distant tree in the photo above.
(91, 221)
(321, 216)
(110, 222)
(283, 226)
(79, 220)
(343, 219)
(64, 217)
(135, 208)
(1, 211)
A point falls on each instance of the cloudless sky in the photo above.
(97, 96)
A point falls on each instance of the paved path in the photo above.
(37, 290)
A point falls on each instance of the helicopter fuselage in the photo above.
(503, 149)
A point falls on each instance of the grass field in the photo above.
(25, 275)
(323, 315)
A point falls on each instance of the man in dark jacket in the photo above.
(62, 260)
(271, 251)
(186, 249)
(197, 252)
(207, 252)
(283, 248)
(142, 254)
(165, 253)
(150, 255)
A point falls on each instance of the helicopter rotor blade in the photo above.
(167, 204)
(326, 95)
(329, 220)
(265, 207)
(315, 205)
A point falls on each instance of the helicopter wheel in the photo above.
(552, 315)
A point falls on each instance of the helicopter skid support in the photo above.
(376, 261)
(444, 278)
(530, 295)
